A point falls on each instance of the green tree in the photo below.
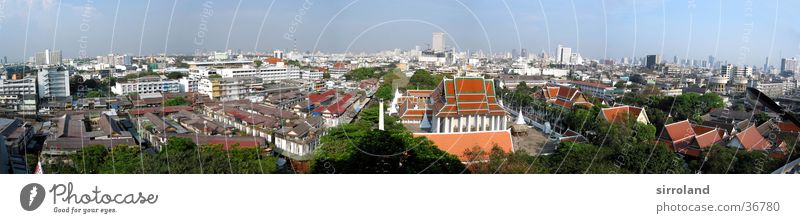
(385, 92)
(175, 75)
(720, 160)
(650, 158)
(93, 94)
(177, 101)
(359, 148)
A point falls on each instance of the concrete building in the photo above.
(53, 82)
(437, 44)
(564, 55)
(593, 89)
(773, 89)
(231, 88)
(48, 57)
(651, 61)
(789, 65)
(189, 83)
(144, 85)
(277, 72)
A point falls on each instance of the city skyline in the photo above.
(86, 28)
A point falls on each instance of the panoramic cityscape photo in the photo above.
(399, 87)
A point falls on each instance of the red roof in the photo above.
(611, 114)
(689, 139)
(419, 93)
(751, 139)
(563, 96)
(679, 130)
(459, 143)
(788, 127)
(316, 98)
(158, 110)
(272, 60)
(465, 96)
(232, 143)
(337, 108)
(586, 83)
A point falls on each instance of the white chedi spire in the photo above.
(380, 117)
(393, 106)
(425, 123)
(520, 118)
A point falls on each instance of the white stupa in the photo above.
(380, 117)
(393, 106)
(520, 119)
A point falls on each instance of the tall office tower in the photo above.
(652, 60)
(437, 45)
(48, 57)
(564, 55)
(675, 60)
(514, 54)
(789, 65)
(766, 65)
(523, 53)
(711, 61)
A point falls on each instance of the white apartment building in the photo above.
(229, 89)
(53, 82)
(24, 86)
(189, 83)
(311, 75)
(268, 73)
(143, 85)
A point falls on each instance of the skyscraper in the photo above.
(789, 65)
(711, 61)
(48, 57)
(564, 55)
(437, 45)
(652, 60)
(766, 65)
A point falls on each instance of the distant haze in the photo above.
(748, 31)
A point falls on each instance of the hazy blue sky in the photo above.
(747, 32)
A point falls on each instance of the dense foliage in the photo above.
(360, 148)
(178, 156)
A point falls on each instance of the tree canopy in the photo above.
(178, 156)
(360, 148)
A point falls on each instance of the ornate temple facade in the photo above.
(466, 104)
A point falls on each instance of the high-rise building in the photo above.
(523, 53)
(727, 70)
(711, 61)
(53, 82)
(48, 57)
(437, 45)
(766, 65)
(675, 60)
(278, 54)
(652, 60)
(564, 55)
(789, 65)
